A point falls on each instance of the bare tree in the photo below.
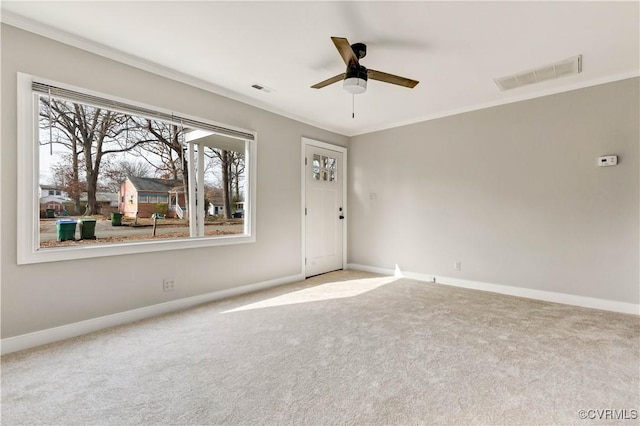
(232, 166)
(236, 170)
(115, 172)
(165, 147)
(220, 158)
(65, 176)
(63, 131)
(165, 144)
(91, 134)
(225, 162)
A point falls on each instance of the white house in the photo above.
(52, 198)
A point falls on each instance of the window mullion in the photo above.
(193, 231)
(200, 192)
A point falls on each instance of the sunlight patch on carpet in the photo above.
(332, 290)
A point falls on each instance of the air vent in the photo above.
(262, 88)
(548, 72)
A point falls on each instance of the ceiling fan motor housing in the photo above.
(360, 49)
(355, 80)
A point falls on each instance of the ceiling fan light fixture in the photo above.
(355, 81)
(355, 85)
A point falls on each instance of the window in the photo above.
(182, 162)
(324, 168)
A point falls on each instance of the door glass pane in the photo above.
(316, 167)
(332, 166)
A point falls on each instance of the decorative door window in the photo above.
(324, 168)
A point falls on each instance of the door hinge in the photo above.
(305, 161)
(305, 260)
(305, 211)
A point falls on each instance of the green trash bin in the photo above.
(87, 228)
(116, 219)
(66, 229)
(50, 213)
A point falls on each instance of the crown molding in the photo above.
(64, 37)
(47, 31)
(507, 101)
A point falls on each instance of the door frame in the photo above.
(303, 246)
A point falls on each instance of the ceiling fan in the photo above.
(356, 76)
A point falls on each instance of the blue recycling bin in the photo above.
(66, 229)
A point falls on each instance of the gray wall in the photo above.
(512, 191)
(40, 296)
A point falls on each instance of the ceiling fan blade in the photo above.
(348, 55)
(390, 78)
(329, 81)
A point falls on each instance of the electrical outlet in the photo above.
(168, 284)
(458, 265)
(608, 160)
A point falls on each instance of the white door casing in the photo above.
(324, 207)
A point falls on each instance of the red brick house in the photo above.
(146, 196)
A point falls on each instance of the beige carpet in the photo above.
(343, 348)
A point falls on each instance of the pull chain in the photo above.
(353, 106)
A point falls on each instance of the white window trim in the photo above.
(28, 250)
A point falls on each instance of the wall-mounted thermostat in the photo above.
(608, 160)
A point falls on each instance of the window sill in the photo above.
(29, 256)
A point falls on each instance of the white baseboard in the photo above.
(30, 340)
(548, 296)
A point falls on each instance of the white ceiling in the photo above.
(455, 49)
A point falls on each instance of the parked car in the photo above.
(238, 214)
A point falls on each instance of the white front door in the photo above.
(324, 218)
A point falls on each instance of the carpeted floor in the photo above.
(342, 348)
